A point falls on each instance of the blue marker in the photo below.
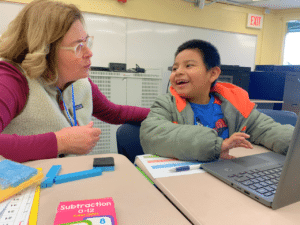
(185, 168)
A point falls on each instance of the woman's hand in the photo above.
(77, 140)
(235, 140)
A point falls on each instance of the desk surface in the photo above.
(265, 101)
(206, 200)
(136, 200)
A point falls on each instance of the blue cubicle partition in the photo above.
(274, 82)
(277, 68)
(267, 85)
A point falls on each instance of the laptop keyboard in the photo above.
(262, 181)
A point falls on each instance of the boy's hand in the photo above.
(225, 155)
(235, 140)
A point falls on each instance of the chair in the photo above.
(128, 141)
(281, 116)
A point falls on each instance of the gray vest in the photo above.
(42, 113)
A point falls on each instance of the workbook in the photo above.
(86, 212)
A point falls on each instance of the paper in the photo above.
(3, 206)
(159, 166)
(18, 208)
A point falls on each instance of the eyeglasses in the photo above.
(78, 49)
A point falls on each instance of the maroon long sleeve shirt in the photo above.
(13, 96)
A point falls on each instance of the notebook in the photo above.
(270, 178)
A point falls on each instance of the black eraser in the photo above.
(100, 162)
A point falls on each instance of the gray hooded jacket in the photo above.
(169, 129)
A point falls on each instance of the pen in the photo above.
(185, 168)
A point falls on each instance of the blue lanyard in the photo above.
(74, 109)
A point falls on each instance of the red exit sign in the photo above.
(255, 21)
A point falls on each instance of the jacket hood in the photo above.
(237, 96)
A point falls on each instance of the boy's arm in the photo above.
(265, 131)
(159, 135)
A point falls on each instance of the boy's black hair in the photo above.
(210, 54)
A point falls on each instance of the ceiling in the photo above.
(274, 4)
(268, 4)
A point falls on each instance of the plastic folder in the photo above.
(35, 207)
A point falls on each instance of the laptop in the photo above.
(269, 178)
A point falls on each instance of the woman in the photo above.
(46, 97)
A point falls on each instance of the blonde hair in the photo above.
(33, 37)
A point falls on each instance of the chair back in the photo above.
(128, 141)
(281, 116)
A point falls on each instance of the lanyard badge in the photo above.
(74, 109)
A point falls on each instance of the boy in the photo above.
(201, 119)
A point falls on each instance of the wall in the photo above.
(217, 16)
(150, 44)
(284, 16)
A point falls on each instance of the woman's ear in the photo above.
(214, 73)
